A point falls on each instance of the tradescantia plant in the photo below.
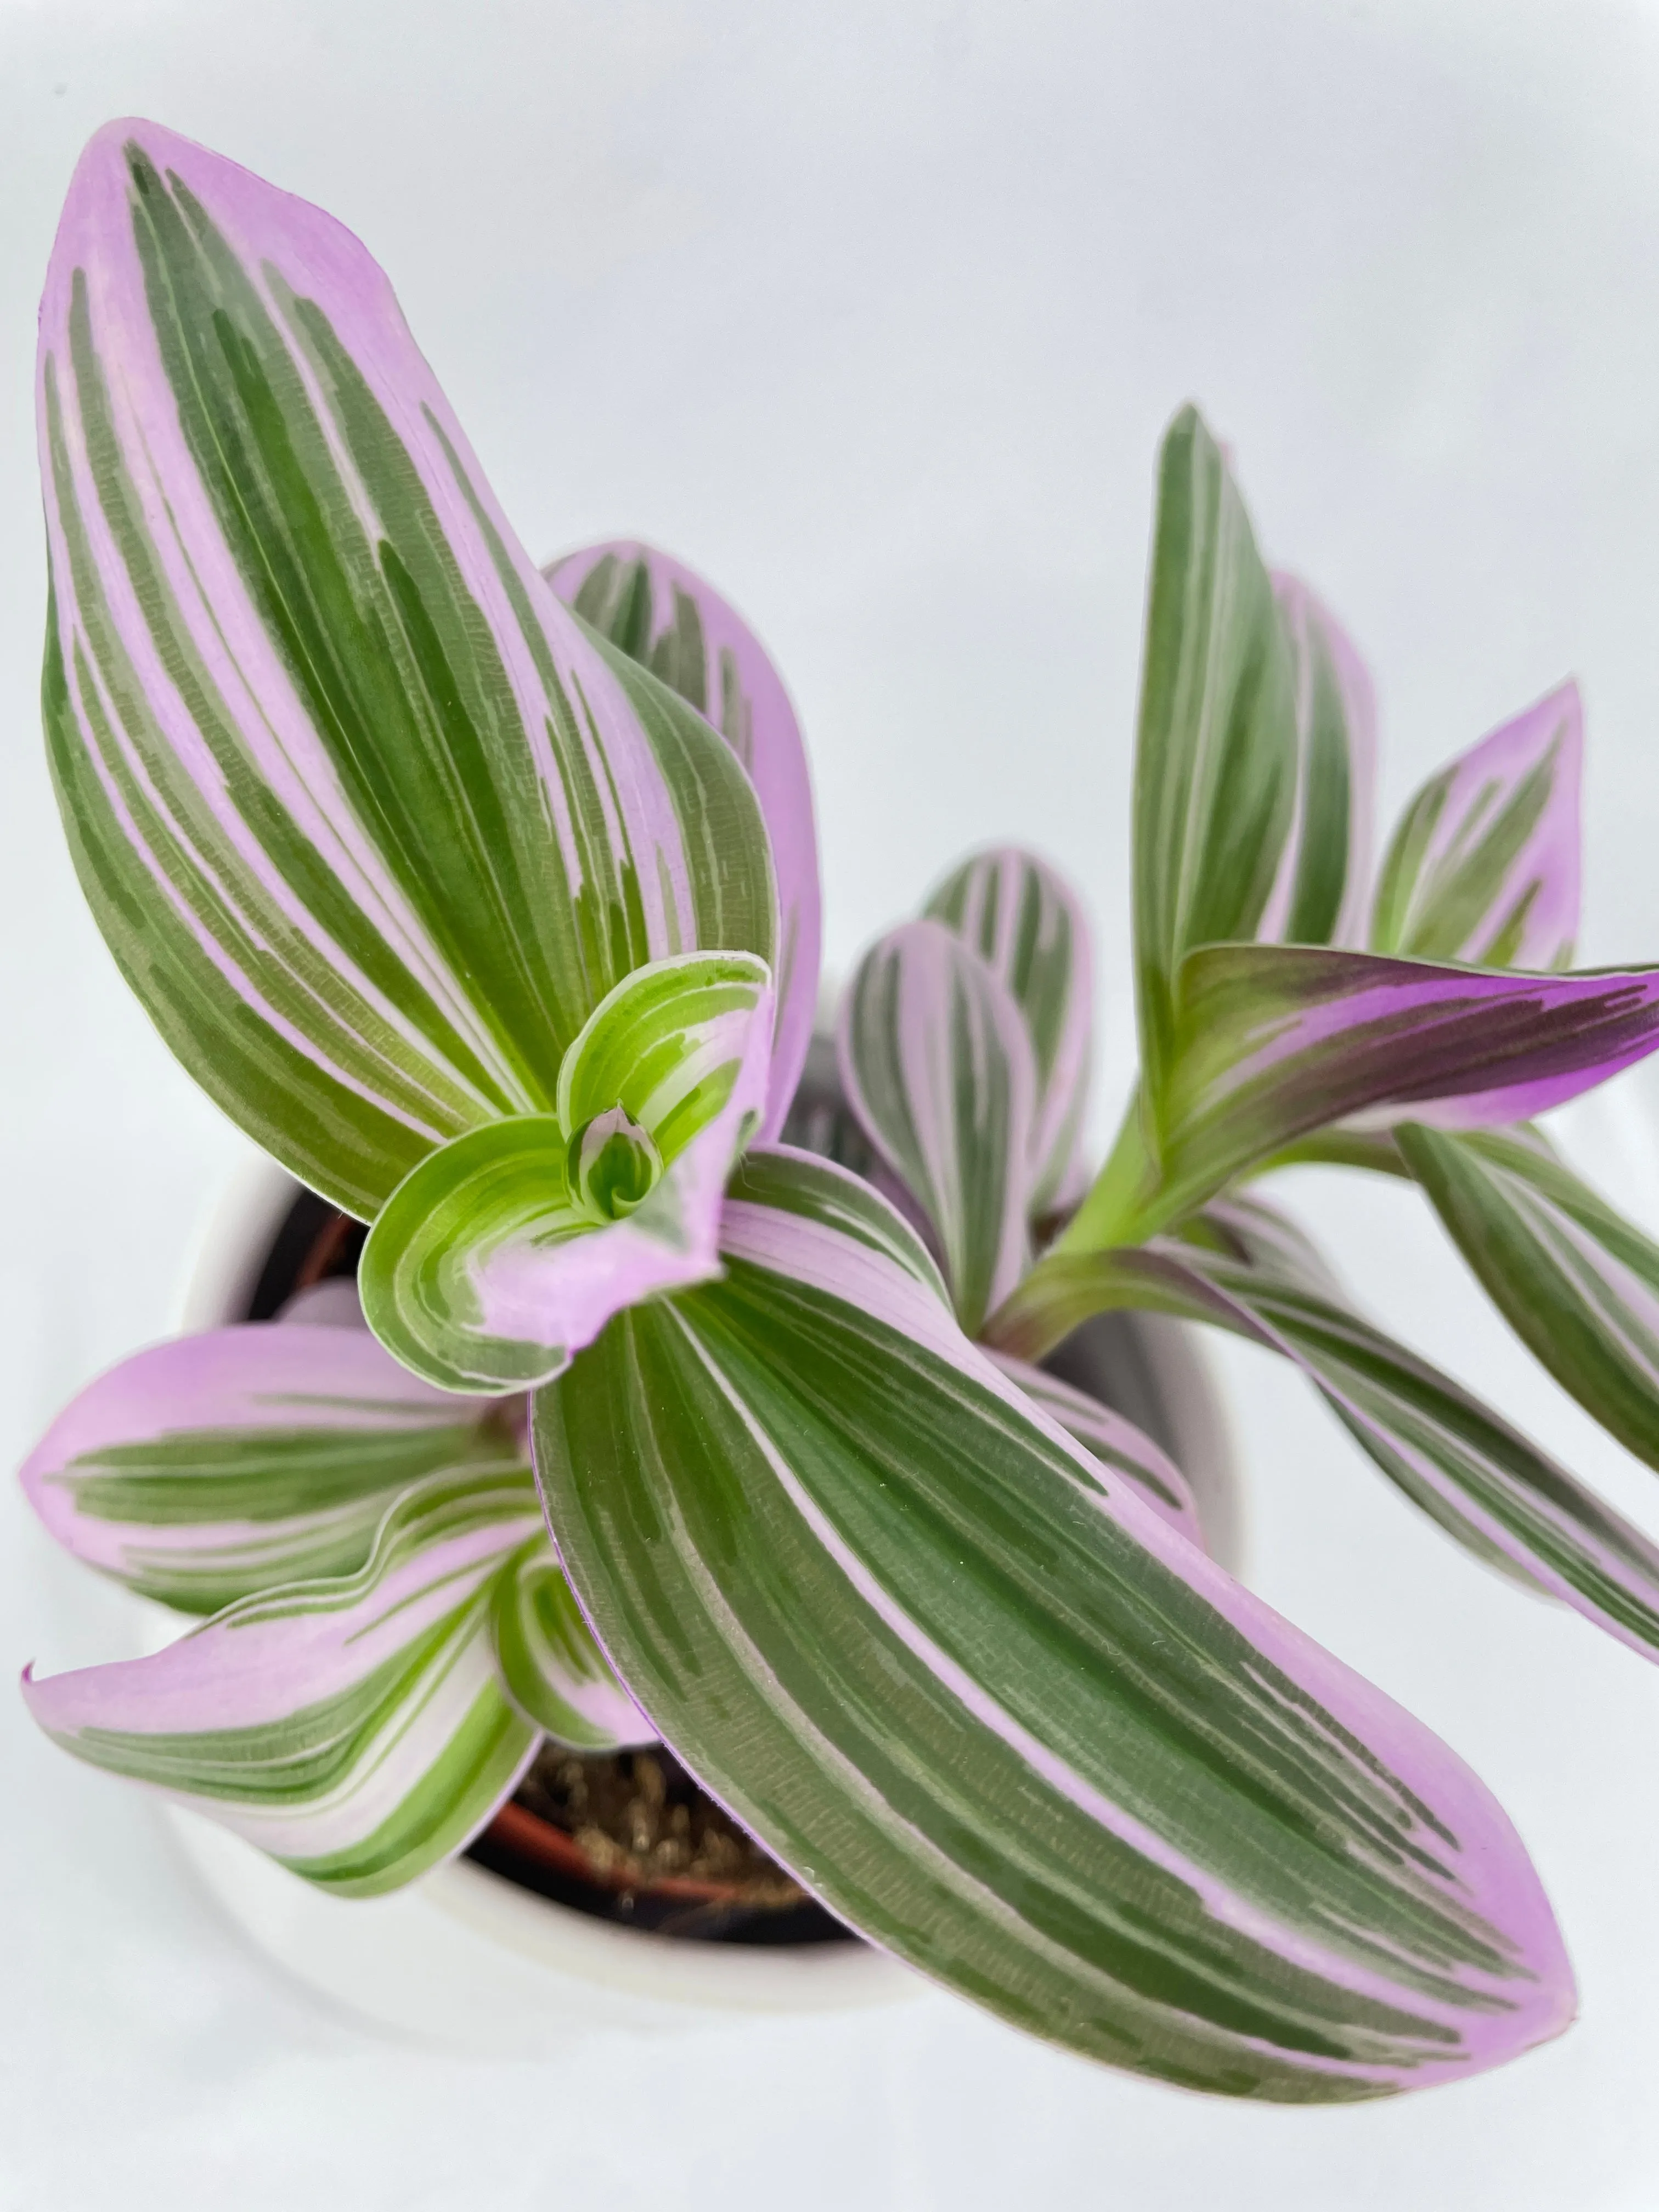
(486, 901)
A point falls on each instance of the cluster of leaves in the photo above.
(486, 900)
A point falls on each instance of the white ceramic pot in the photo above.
(468, 1959)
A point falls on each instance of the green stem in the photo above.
(1129, 1200)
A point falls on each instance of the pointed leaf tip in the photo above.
(369, 820)
(1485, 864)
(673, 621)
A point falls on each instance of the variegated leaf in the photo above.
(214, 1466)
(1276, 1041)
(1320, 894)
(1118, 1444)
(1215, 758)
(369, 820)
(663, 615)
(553, 1670)
(356, 1728)
(510, 1247)
(1004, 1720)
(1243, 1267)
(1577, 1283)
(936, 1064)
(1485, 864)
(1027, 925)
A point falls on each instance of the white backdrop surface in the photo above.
(874, 314)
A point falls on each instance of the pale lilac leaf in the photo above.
(1242, 1266)
(664, 615)
(1027, 925)
(1577, 1283)
(214, 1466)
(552, 1667)
(1321, 892)
(1003, 1719)
(1485, 864)
(936, 1064)
(1277, 1042)
(369, 820)
(1215, 751)
(356, 1728)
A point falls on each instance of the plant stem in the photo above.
(1121, 1206)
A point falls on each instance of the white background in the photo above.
(874, 312)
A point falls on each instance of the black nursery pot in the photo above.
(628, 1837)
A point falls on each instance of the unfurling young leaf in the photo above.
(511, 1247)
(1216, 751)
(1320, 894)
(1028, 926)
(371, 823)
(936, 1064)
(986, 1704)
(1484, 865)
(664, 616)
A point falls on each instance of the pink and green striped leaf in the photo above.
(1485, 864)
(995, 1712)
(370, 821)
(664, 616)
(1027, 925)
(508, 1248)
(356, 1728)
(212, 1468)
(1274, 1042)
(936, 1064)
(552, 1668)
(1577, 1283)
(1242, 1266)
(1118, 1444)
(1323, 884)
(1216, 752)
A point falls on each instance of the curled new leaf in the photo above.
(510, 1247)
(936, 1064)
(369, 820)
(1028, 926)
(1484, 865)
(356, 1729)
(664, 616)
(1002, 1719)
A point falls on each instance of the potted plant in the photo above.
(486, 902)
